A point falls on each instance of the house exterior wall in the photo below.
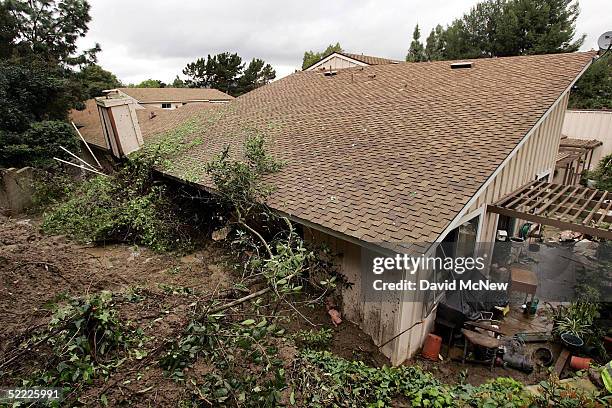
(334, 63)
(380, 320)
(590, 124)
(158, 105)
(532, 160)
(411, 321)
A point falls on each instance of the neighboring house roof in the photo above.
(88, 123)
(387, 153)
(367, 59)
(156, 121)
(145, 95)
(357, 59)
(88, 119)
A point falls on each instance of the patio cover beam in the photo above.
(578, 208)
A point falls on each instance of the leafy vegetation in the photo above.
(149, 83)
(498, 28)
(87, 341)
(555, 394)
(603, 174)
(246, 367)
(96, 79)
(38, 82)
(594, 89)
(577, 318)
(38, 144)
(314, 339)
(416, 52)
(128, 206)
(327, 380)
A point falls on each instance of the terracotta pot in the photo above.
(580, 363)
(431, 348)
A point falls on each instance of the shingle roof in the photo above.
(156, 121)
(176, 94)
(387, 153)
(367, 59)
(151, 120)
(88, 123)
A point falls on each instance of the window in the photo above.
(166, 106)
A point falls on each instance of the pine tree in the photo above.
(435, 44)
(416, 52)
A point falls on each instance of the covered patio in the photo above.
(567, 207)
(574, 156)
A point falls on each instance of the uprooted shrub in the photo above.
(85, 340)
(244, 361)
(127, 206)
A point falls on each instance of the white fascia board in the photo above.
(335, 54)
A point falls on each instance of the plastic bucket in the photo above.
(431, 348)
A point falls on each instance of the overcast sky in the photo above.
(144, 39)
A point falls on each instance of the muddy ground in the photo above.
(38, 271)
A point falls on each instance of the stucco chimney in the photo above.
(120, 124)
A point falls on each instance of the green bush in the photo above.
(603, 174)
(314, 339)
(128, 206)
(38, 144)
(325, 380)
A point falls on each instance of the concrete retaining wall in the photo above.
(16, 189)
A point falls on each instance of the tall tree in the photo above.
(220, 71)
(495, 28)
(227, 73)
(199, 73)
(95, 79)
(435, 44)
(8, 31)
(416, 52)
(227, 69)
(594, 89)
(49, 29)
(177, 83)
(257, 73)
(38, 84)
(311, 57)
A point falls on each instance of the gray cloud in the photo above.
(155, 39)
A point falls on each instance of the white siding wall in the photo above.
(334, 63)
(590, 124)
(537, 155)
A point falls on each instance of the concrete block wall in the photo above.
(16, 189)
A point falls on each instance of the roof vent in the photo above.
(330, 73)
(461, 65)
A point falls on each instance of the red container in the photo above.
(580, 363)
(431, 348)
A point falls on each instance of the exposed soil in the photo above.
(38, 271)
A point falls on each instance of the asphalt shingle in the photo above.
(403, 146)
